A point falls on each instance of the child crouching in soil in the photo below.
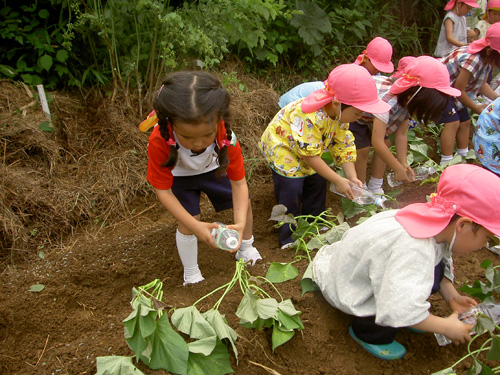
(383, 270)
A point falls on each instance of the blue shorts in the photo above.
(187, 189)
(362, 134)
(452, 114)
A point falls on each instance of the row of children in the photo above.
(192, 149)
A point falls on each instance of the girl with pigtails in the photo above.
(192, 150)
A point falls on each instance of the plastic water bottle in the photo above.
(489, 309)
(225, 238)
(421, 173)
(362, 196)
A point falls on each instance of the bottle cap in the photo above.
(232, 243)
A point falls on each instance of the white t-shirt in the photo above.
(378, 269)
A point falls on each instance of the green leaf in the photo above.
(217, 363)
(308, 284)
(267, 308)
(223, 330)
(62, 55)
(247, 310)
(139, 325)
(494, 353)
(484, 323)
(45, 127)
(204, 346)
(279, 336)
(281, 272)
(45, 62)
(116, 365)
(37, 288)
(279, 214)
(43, 13)
(169, 351)
(288, 322)
(188, 320)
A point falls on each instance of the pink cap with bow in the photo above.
(379, 51)
(425, 71)
(349, 84)
(463, 189)
(492, 39)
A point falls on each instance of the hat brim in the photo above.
(316, 100)
(421, 220)
(477, 45)
(448, 90)
(377, 107)
(384, 67)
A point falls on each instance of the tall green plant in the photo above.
(32, 44)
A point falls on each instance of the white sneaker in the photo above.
(250, 254)
(192, 276)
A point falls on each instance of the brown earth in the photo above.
(89, 277)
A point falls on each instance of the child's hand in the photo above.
(343, 186)
(461, 304)
(203, 232)
(457, 331)
(402, 175)
(355, 181)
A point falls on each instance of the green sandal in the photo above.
(389, 352)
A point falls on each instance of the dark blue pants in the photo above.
(367, 330)
(301, 196)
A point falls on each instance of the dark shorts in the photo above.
(187, 190)
(362, 134)
(452, 114)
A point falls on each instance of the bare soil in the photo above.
(78, 316)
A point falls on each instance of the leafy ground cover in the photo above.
(64, 306)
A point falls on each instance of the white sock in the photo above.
(246, 244)
(463, 151)
(446, 158)
(375, 183)
(187, 247)
(248, 252)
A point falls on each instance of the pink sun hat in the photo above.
(492, 39)
(349, 84)
(451, 3)
(493, 4)
(379, 51)
(463, 189)
(425, 71)
(402, 64)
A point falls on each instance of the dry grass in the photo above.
(87, 172)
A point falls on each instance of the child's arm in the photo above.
(341, 184)
(378, 136)
(350, 173)
(462, 80)
(240, 205)
(456, 301)
(474, 34)
(487, 91)
(448, 26)
(401, 143)
(451, 327)
(200, 229)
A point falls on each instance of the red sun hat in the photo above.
(349, 84)
(425, 71)
(492, 39)
(463, 189)
(451, 3)
(379, 51)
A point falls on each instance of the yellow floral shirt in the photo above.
(293, 134)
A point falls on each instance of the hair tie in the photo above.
(222, 134)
